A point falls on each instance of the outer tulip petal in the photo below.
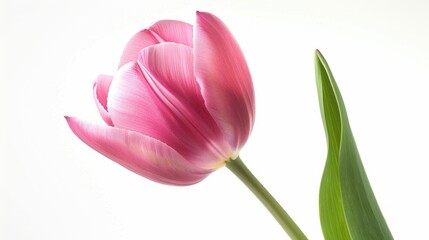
(221, 70)
(169, 70)
(139, 41)
(101, 89)
(174, 31)
(141, 154)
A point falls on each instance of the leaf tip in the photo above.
(319, 56)
(317, 52)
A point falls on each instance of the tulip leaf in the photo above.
(347, 205)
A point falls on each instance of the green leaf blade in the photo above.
(348, 208)
(332, 216)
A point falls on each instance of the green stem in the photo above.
(243, 173)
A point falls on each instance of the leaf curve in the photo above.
(347, 205)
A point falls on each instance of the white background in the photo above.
(52, 186)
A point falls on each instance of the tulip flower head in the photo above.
(180, 105)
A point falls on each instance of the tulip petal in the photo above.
(141, 154)
(174, 31)
(133, 105)
(169, 70)
(101, 89)
(221, 70)
(172, 66)
(161, 31)
(139, 41)
(136, 103)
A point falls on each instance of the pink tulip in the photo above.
(180, 105)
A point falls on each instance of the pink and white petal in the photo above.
(174, 31)
(101, 90)
(224, 77)
(133, 105)
(139, 41)
(141, 154)
(168, 67)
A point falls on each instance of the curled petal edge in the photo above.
(101, 90)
